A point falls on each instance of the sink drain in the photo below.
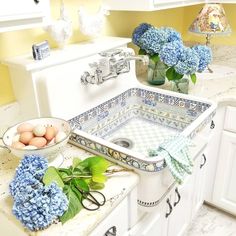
(123, 142)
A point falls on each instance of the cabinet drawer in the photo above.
(230, 118)
(117, 221)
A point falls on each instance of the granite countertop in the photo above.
(219, 86)
(116, 189)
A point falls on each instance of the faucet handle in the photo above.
(127, 53)
(93, 65)
(111, 53)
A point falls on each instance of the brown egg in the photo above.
(18, 145)
(56, 130)
(24, 127)
(50, 133)
(25, 137)
(38, 142)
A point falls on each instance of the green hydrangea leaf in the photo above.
(99, 178)
(100, 167)
(193, 78)
(96, 186)
(154, 58)
(76, 162)
(142, 52)
(96, 164)
(81, 184)
(52, 175)
(65, 170)
(171, 74)
(63, 175)
(74, 206)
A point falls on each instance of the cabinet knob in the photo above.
(111, 231)
(179, 197)
(170, 208)
(212, 125)
(36, 1)
(204, 161)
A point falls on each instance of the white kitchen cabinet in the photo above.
(117, 222)
(156, 222)
(15, 15)
(200, 169)
(181, 201)
(224, 194)
(221, 1)
(178, 207)
(213, 150)
(148, 5)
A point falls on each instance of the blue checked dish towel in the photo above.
(175, 152)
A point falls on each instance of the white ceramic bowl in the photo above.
(49, 152)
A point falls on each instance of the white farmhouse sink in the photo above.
(120, 110)
(125, 127)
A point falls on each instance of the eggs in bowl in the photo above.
(42, 136)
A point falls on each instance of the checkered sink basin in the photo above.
(125, 127)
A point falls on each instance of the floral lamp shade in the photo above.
(211, 20)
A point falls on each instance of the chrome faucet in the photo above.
(111, 64)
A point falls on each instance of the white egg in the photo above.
(52, 142)
(60, 136)
(29, 147)
(39, 130)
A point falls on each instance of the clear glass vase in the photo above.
(156, 73)
(181, 85)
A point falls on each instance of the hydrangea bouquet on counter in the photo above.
(43, 195)
(165, 47)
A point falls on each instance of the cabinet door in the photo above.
(115, 223)
(13, 8)
(147, 5)
(153, 223)
(224, 194)
(23, 14)
(181, 200)
(199, 174)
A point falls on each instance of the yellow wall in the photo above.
(118, 24)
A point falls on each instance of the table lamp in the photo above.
(210, 21)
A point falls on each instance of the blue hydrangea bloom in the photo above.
(172, 34)
(23, 181)
(188, 62)
(171, 52)
(205, 56)
(153, 39)
(36, 205)
(41, 207)
(34, 165)
(139, 31)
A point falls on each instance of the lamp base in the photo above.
(208, 42)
